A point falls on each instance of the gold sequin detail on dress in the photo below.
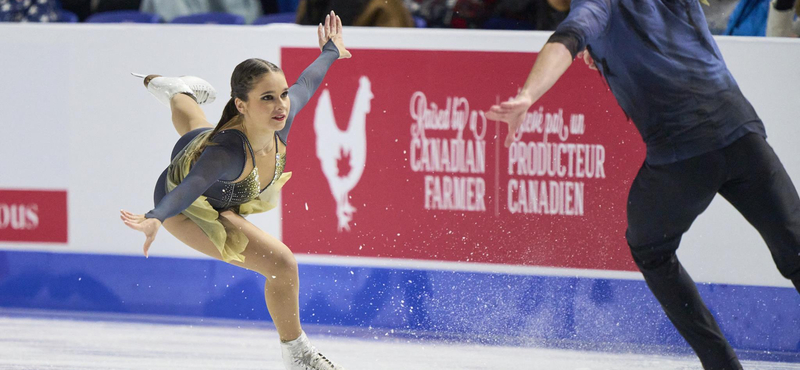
(280, 164)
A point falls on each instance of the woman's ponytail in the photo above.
(228, 112)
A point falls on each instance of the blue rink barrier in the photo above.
(762, 323)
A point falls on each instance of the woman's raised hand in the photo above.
(332, 30)
(149, 226)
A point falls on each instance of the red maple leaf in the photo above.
(343, 163)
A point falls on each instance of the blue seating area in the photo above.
(276, 18)
(130, 16)
(56, 11)
(286, 13)
(749, 18)
(124, 16)
(67, 17)
(209, 18)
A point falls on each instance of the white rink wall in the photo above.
(75, 119)
(82, 138)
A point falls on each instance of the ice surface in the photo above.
(65, 344)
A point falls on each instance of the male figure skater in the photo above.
(702, 136)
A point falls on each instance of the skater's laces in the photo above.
(310, 359)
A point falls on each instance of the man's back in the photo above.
(666, 72)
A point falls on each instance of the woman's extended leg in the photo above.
(186, 112)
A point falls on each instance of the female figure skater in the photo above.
(219, 174)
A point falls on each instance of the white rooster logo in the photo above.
(343, 154)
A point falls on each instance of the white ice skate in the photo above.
(299, 354)
(164, 88)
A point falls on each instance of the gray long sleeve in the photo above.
(308, 82)
(227, 159)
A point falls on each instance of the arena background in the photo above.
(81, 139)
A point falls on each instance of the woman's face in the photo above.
(268, 102)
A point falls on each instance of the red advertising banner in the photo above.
(394, 157)
(33, 216)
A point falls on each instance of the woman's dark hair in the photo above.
(243, 79)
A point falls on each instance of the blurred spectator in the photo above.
(269, 7)
(365, 13)
(169, 9)
(492, 14)
(717, 13)
(796, 26)
(725, 17)
(84, 8)
(452, 13)
(749, 18)
(470, 13)
(779, 20)
(535, 14)
(28, 11)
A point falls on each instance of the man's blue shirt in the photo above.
(667, 74)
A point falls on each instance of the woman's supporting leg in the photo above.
(264, 254)
(273, 259)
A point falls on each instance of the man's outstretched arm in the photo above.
(587, 20)
(552, 62)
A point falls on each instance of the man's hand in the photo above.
(513, 112)
(587, 59)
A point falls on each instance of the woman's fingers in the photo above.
(127, 216)
(147, 244)
(132, 218)
(133, 225)
(327, 26)
(140, 223)
(321, 33)
(338, 25)
(126, 213)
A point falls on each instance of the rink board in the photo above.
(476, 307)
(452, 250)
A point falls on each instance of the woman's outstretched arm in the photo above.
(222, 161)
(332, 45)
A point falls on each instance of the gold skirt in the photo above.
(229, 240)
